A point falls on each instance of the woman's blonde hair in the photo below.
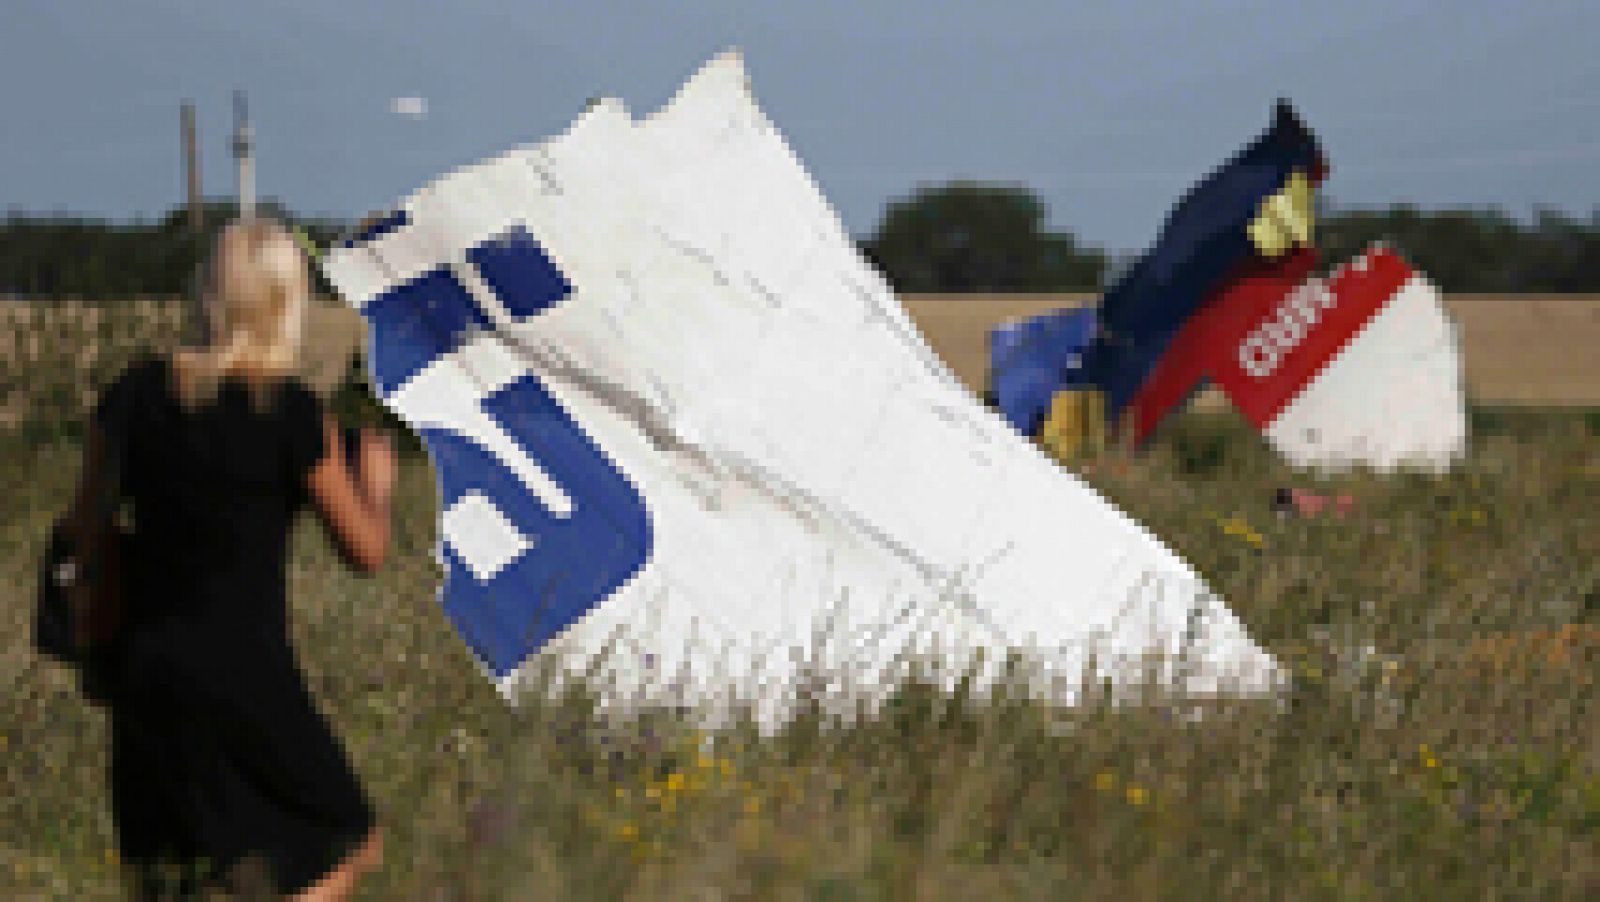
(249, 309)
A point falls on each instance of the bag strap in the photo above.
(113, 426)
(113, 435)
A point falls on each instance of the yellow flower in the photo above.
(1105, 781)
(674, 782)
(628, 832)
(1137, 795)
(752, 806)
(1238, 528)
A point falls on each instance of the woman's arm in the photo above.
(355, 506)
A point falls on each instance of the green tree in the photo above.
(1475, 250)
(967, 236)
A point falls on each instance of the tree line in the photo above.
(960, 236)
(79, 257)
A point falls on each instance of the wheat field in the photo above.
(1531, 350)
(54, 354)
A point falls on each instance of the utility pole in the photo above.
(243, 147)
(191, 170)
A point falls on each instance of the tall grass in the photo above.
(1441, 740)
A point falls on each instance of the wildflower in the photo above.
(1238, 528)
(752, 806)
(1105, 781)
(628, 832)
(1137, 795)
(1428, 760)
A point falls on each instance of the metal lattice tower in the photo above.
(243, 154)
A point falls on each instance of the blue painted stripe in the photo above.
(576, 561)
(520, 273)
(417, 322)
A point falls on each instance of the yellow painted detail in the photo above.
(1285, 219)
(1076, 424)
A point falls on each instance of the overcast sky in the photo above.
(1107, 110)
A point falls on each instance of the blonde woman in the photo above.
(220, 760)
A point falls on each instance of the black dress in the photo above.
(218, 752)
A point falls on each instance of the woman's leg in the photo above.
(340, 882)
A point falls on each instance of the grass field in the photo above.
(1442, 739)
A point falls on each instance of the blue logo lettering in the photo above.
(517, 573)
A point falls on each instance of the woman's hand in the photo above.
(355, 505)
(377, 470)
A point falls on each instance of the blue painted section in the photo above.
(576, 561)
(1201, 247)
(416, 322)
(1031, 360)
(520, 273)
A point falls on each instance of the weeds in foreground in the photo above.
(1442, 738)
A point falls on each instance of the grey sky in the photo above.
(1109, 110)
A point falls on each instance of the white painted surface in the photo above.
(819, 483)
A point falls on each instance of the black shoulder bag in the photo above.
(79, 606)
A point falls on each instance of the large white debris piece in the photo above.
(689, 442)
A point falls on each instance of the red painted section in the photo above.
(1268, 333)
(1271, 360)
(1195, 353)
(1247, 296)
